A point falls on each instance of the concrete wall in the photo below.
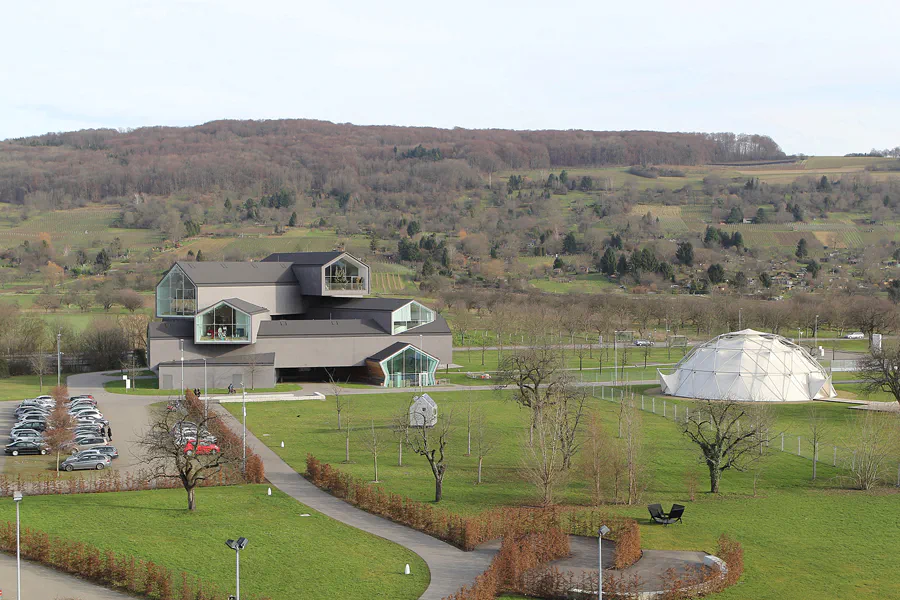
(279, 299)
(344, 351)
(218, 376)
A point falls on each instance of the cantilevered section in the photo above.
(403, 365)
(226, 322)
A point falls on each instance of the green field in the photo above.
(788, 546)
(20, 387)
(288, 556)
(150, 387)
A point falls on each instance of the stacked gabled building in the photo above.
(257, 323)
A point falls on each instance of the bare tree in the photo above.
(875, 440)
(469, 425)
(572, 400)
(252, 367)
(373, 448)
(59, 435)
(432, 444)
(535, 374)
(818, 430)
(339, 402)
(601, 461)
(728, 433)
(40, 364)
(483, 443)
(871, 315)
(348, 428)
(631, 451)
(400, 428)
(880, 371)
(163, 446)
(543, 462)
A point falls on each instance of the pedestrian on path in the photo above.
(108, 432)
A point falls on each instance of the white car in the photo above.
(856, 335)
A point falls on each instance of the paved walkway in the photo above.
(43, 583)
(450, 567)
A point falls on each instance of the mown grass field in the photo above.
(150, 387)
(20, 387)
(288, 556)
(789, 546)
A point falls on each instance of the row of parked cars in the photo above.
(195, 440)
(90, 447)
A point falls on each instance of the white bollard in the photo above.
(406, 571)
(282, 444)
(269, 493)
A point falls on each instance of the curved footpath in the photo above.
(43, 583)
(450, 567)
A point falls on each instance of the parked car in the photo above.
(19, 431)
(86, 460)
(23, 447)
(201, 448)
(88, 441)
(856, 335)
(28, 435)
(32, 424)
(109, 451)
(82, 397)
(643, 343)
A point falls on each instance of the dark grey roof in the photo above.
(379, 304)
(264, 359)
(389, 351)
(250, 309)
(238, 273)
(439, 325)
(319, 327)
(303, 258)
(172, 328)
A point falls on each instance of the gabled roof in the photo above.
(264, 359)
(303, 258)
(377, 304)
(243, 305)
(439, 325)
(238, 273)
(389, 351)
(319, 327)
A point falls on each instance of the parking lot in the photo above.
(127, 416)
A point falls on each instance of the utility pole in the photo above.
(58, 360)
(244, 436)
(181, 347)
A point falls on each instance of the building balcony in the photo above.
(345, 283)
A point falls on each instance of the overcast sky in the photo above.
(819, 77)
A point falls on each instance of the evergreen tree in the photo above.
(894, 291)
(293, 220)
(558, 263)
(762, 216)
(413, 228)
(685, 254)
(802, 250)
(716, 273)
(227, 203)
(199, 256)
(622, 265)
(102, 261)
(813, 268)
(740, 280)
(570, 244)
(735, 215)
(427, 268)
(765, 279)
(608, 261)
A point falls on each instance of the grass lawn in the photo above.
(288, 556)
(471, 360)
(854, 390)
(21, 387)
(150, 387)
(788, 547)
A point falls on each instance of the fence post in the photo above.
(654, 404)
(642, 402)
(798, 445)
(782, 441)
(664, 407)
(675, 408)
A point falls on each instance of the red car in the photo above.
(202, 448)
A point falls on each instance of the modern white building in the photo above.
(748, 366)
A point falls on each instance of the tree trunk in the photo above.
(714, 476)
(57, 465)
(375, 460)
(400, 454)
(347, 450)
(339, 420)
(190, 494)
(438, 489)
(480, 460)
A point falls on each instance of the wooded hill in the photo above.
(370, 162)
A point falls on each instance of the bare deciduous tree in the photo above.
(880, 371)
(818, 430)
(728, 433)
(631, 451)
(163, 446)
(372, 443)
(875, 440)
(337, 392)
(601, 461)
(483, 443)
(543, 462)
(59, 435)
(432, 444)
(40, 364)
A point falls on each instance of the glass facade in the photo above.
(222, 323)
(344, 275)
(409, 316)
(176, 296)
(409, 368)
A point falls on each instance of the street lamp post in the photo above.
(58, 360)
(237, 545)
(600, 533)
(816, 332)
(181, 347)
(244, 435)
(17, 496)
(205, 392)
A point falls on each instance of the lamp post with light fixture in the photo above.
(600, 533)
(237, 545)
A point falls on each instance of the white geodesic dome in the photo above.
(751, 366)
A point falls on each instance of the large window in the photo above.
(409, 367)
(344, 275)
(222, 323)
(411, 315)
(176, 296)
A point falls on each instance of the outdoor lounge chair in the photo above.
(656, 513)
(675, 513)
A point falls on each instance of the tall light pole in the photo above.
(600, 533)
(58, 360)
(740, 318)
(205, 392)
(181, 347)
(237, 545)
(816, 332)
(615, 356)
(244, 436)
(17, 496)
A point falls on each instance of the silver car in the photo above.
(85, 460)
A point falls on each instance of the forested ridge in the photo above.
(368, 162)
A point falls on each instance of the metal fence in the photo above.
(832, 455)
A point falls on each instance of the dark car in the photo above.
(31, 424)
(23, 447)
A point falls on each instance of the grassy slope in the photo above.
(789, 546)
(288, 556)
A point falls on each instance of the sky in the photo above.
(821, 78)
